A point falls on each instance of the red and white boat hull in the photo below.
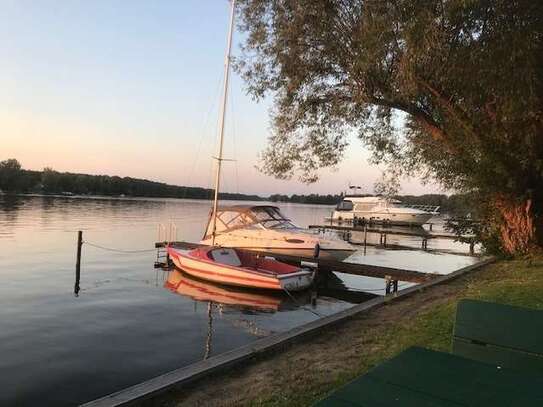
(265, 274)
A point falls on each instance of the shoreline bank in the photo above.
(303, 372)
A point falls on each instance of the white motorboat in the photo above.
(265, 228)
(381, 209)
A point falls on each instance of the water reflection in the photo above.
(233, 304)
(9, 211)
(209, 330)
(203, 291)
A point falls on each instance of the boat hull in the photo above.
(287, 243)
(239, 276)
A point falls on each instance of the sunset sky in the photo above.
(132, 88)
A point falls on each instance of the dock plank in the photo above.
(425, 234)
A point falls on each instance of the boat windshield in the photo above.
(258, 217)
(271, 218)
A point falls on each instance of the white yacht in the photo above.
(380, 209)
(265, 228)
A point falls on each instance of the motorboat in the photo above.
(382, 210)
(265, 228)
(240, 268)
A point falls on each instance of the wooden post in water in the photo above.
(78, 262)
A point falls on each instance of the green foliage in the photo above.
(307, 199)
(448, 90)
(10, 173)
(388, 185)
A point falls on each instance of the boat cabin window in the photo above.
(364, 207)
(345, 206)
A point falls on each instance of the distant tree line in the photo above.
(15, 179)
(307, 199)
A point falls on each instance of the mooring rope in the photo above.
(110, 249)
(362, 290)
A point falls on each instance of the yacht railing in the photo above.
(426, 208)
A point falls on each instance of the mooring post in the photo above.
(78, 262)
(388, 284)
(472, 247)
(431, 224)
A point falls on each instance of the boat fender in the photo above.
(316, 251)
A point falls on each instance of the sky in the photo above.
(132, 88)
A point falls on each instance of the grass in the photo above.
(515, 282)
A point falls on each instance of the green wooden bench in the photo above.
(421, 377)
(497, 360)
(501, 335)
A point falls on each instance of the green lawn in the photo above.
(514, 282)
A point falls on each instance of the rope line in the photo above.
(118, 250)
(361, 290)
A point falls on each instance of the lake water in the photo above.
(130, 321)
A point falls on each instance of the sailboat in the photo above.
(228, 265)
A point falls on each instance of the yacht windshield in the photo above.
(271, 218)
(258, 217)
(345, 205)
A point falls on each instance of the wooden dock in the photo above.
(368, 270)
(384, 232)
(389, 231)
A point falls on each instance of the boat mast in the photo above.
(221, 124)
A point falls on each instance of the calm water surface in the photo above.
(130, 321)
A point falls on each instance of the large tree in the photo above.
(450, 90)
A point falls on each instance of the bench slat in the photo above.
(496, 355)
(499, 334)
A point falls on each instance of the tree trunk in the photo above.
(520, 227)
